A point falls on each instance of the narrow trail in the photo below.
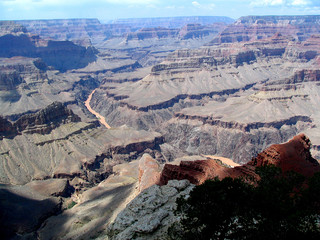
(100, 118)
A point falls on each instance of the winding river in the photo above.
(100, 118)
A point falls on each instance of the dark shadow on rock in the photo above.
(20, 215)
(100, 212)
(62, 55)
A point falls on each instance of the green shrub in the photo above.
(279, 206)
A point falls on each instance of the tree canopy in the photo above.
(278, 206)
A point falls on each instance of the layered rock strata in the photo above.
(259, 27)
(70, 147)
(62, 55)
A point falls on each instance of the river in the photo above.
(100, 118)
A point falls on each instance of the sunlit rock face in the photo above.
(293, 155)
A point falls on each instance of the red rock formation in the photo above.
(291, 156)
(195, 171)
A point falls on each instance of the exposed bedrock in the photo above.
(260, 27)
(150, 214)
(54, 142)
(18, 70)
(6, 128)
(62, 55)
(291, 156)
(195, 138)
(80, 31)
(42, 122)
(51, 117)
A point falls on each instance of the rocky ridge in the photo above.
(291, 156)
(150, 214)
(259, 27)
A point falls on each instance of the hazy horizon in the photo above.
(106, 10)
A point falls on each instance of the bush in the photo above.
(279, 206)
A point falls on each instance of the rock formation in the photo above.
(260, 27)
(46, 120)
(197, 91)
(291, 156)
(151, 213)
(149, 172)
(62, 55)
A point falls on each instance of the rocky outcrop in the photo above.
(157, 33)
(43, 122)
(151, 213)
(46, 119)
(196, 31)
(190, 31)
(195, 171)
(149, 172)
(291, 156)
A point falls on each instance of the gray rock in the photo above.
(151, 213)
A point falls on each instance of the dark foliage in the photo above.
(278, 206)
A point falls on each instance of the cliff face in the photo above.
(190, 31)
(46, 120)
(19, 71)
(259, 27)
(291, 156)
(61, 55)
(42, 122)
(10, 27)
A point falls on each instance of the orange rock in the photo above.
(294, 155)
(149, 172)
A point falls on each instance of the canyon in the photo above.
(93, 115)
